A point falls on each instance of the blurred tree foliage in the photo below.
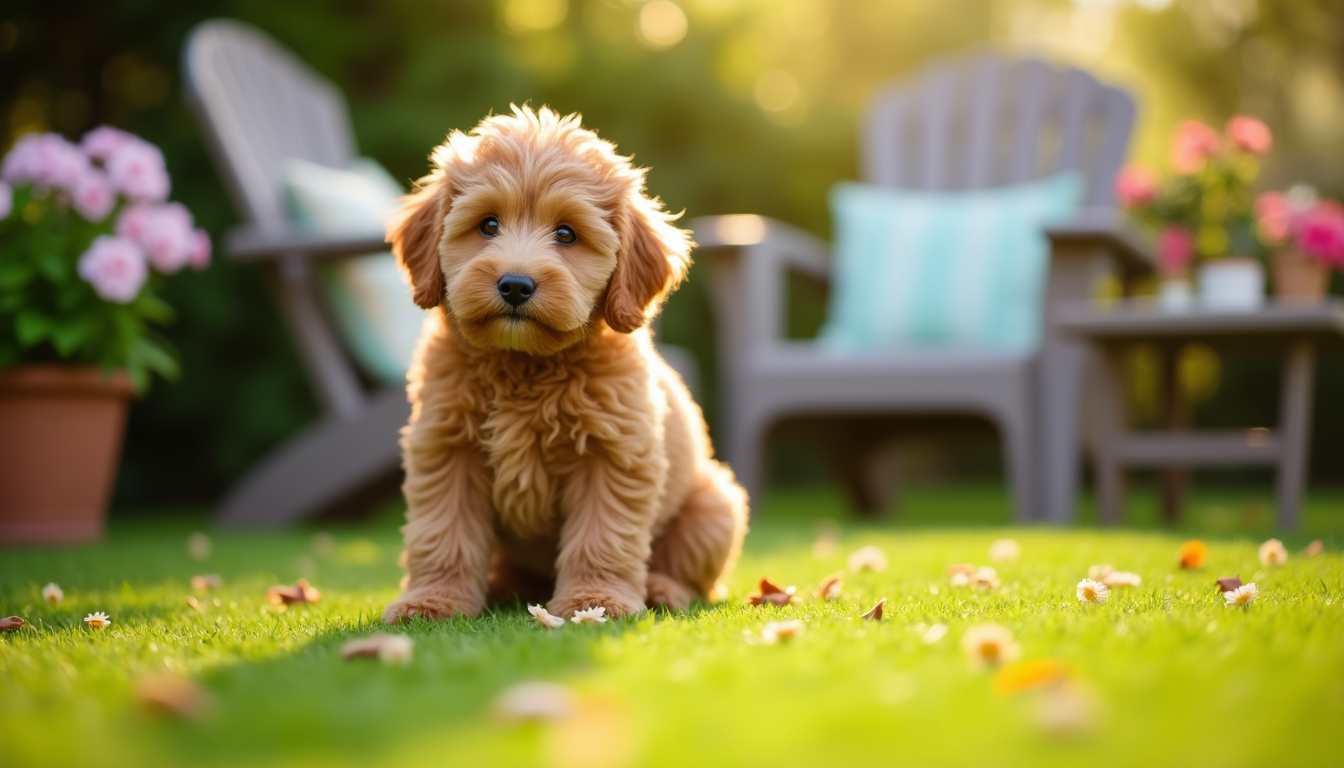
(736, 105)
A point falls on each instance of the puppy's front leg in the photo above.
(448, 534)
(605, 539)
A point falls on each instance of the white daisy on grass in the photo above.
(52, 593)
(776, 631)
(989, 645)
(1273, 552)
(590, 616)
(1090, 591)
(545, 619)
(1242, 596)
(986, 578)
(396, 649)
(97, 620)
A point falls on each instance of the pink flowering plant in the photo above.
(1206, 208)
(86, 236)
(1300, 220)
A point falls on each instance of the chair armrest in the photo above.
(749, 258)
(1105, 230)
(254, 242)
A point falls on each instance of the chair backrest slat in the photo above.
(263, 106)
(990, 120)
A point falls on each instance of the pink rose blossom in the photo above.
(200, 249)
(104, 141)
(1271, 211)
(1320, 232)
(1249, 134)
(164, 231)
(1175, 246)
(45, 159)
(1193, 143)
(6, 200)
(93, 195)
(115, 267)
(137, 170)
(1135, 186)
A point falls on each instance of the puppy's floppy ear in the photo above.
(652, 261)
(414, 232)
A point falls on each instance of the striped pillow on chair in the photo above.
(959, 270)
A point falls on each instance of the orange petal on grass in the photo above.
(1025, 676)
(831, 587)
(768, 593)
(194, 604)
(875, 613)
(172, 697)
(1193, 554)
(301, 592)
(1229, 583)
(1313, 549)
(11, 623)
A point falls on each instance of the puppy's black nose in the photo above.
(515, 289)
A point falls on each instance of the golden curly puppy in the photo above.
(549, 444)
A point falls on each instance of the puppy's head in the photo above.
(530, 229)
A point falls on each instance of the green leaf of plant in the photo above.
(156, 357)
(31, 327)
(53, 266)
(15, 274)
(152, 308)
(67, 335)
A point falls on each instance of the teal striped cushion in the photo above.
(950, 269)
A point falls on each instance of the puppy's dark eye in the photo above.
(490, 227)
(566, 235)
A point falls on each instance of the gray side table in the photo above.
(1295, 329)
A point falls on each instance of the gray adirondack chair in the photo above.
(964, 123)
(258, 106)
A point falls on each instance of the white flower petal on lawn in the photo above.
(1242, 596)
(545, 619)
(534, 701)
(97, 620)
(1273, 552)
(989, 645)
(1122, 579)
(776, 631)
(1099, 572)
(869, 558)
(1090, 591)
(595, 615)
(1004, 550)
(53, 594)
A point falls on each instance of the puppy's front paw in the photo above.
(665, 590)
(618, 602)
(429, 605)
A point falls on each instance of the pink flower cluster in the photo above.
(1195, 142)
(1315, 227)
(91, 177)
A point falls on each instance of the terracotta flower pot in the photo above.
(59, 446)
(1299, 278)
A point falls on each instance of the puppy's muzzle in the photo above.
(516, 289)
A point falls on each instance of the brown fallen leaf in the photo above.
(206, 583)
(194, 604)
(11, 623)
(301, 592)
(1229, 583)
(831, 587)
(172, 696)
(1313, 549)
(768, 593)
(875, 613)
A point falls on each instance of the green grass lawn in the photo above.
(1160, 675)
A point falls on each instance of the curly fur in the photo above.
(550, 448)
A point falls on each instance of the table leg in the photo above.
(1111, 424)
(1175, 417)
(1294, 428)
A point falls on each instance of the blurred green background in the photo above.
(736, 105)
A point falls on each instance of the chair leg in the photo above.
(327, 467)
(1015, 429)
(746, 455)
(863, 465)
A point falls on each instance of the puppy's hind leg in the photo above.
(697, 551)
